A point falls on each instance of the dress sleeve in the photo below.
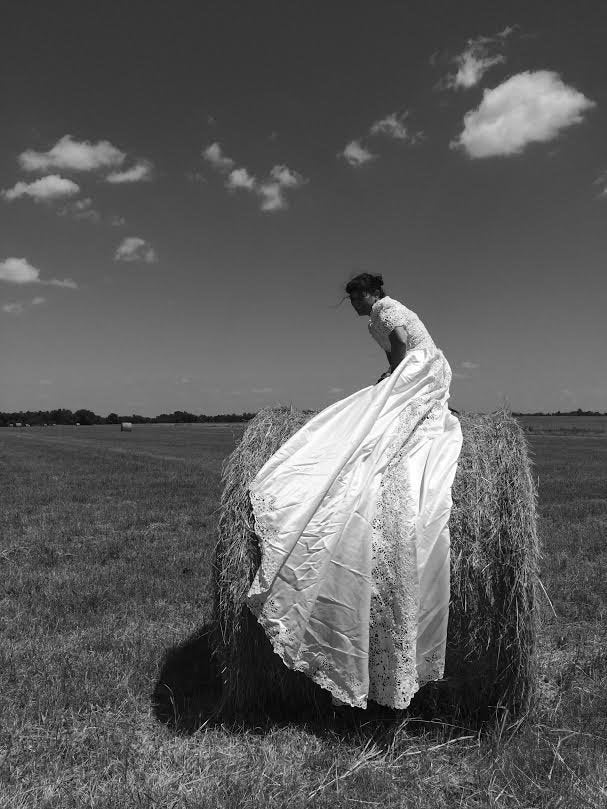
(391, 317)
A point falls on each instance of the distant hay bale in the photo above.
(490, 662)
(126, 427)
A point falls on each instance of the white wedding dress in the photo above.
(352, 516)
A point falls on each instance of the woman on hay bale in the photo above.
(352, 518)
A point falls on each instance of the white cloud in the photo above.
(213, 155)
(272, 197)
(356, 154)
(142, 171)
(336, 390)
(393, 126)
(70, 154)
(272, 190)
(38, 300)
(46, 382)
(81, 209)
(12, 308)
(43, 190)
(20, 271)
(469, 365)
(240, 178)
(134, 248)
(117, 221)
(286, 178)
(526, 108)
(263, 391)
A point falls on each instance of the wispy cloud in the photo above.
(133, 248)
(67, 283)
(81, 209)
(214, 155)
(12, 308)
(263, 391)
(37, 301)
(46, 189)
(195, 177)
(142, 171)
(270, 190)
(394, 126)
(336, 390)
(526, 108)
(356, 154)
(601, 181)
(465, 367)
(568, 396)
(74, 155)
(19, 271)
(476, 59)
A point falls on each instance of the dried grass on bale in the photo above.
(494, 557)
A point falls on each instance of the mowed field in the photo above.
(105, 550)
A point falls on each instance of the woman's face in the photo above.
(362, 301)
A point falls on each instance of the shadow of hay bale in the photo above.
(188, 691)
(189, 695)
(490, 665)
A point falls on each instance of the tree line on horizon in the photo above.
(87, 417)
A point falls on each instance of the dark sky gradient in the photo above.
(503, 258)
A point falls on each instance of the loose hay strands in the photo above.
(490, 662)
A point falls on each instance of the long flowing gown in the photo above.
(352, 516)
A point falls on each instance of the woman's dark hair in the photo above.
(366, 283)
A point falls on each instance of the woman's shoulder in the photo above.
(387, 308)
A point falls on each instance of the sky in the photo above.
(186, 188)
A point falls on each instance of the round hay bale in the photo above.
(490, 661)
(126, 427)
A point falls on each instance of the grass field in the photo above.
(105, 551)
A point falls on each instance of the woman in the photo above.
(352, 516)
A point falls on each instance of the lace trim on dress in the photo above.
(393, 672)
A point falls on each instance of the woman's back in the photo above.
(387, 313)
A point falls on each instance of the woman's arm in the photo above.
(398, 346)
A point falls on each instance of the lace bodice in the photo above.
(388, 313)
